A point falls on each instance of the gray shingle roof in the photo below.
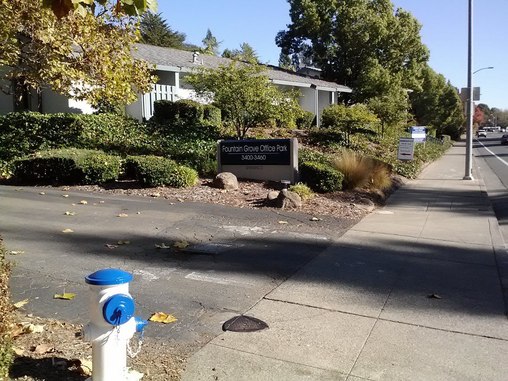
(182, 60)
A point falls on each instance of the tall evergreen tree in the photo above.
(210, 44)
(245, 53)
(155, 31)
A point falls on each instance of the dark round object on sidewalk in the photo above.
(244, 323)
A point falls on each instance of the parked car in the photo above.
(504, 139)
(481, 134)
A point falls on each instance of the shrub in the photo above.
(306, 120)
(186, 112)
(327, 137)
(308, 154)
(25, 133)
(6, 353)
(321, 177)
(112, 133)
(67, 166)
(156, 171)
(302, 190)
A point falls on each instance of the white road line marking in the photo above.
(492, 153)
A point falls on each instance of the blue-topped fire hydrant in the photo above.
(112, 324)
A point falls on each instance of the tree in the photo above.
(245, 96)
(348, 119)
(85, 57)
(500, 117)
(210, 44)
(62, 8)
(155, 31)
(350, 39)
(437, 104)
(390, 108)
(246, 53)
(285, 62)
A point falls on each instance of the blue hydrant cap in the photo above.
(118, 309)
(108, 277)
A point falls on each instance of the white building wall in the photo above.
(53, 102)
(307, 100)
(324, 101)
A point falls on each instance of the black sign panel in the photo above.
(255, 152)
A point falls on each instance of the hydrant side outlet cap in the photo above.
(108, 277)
(118, 309)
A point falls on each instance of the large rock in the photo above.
(226, 180)
(288, 200)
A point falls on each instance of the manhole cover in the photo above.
(244, 323)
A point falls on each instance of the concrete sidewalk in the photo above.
(415, 291)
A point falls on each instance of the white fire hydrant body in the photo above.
(111, 325)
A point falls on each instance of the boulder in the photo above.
(288, 200)
(226, 180)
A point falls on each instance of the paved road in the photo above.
(492, 161)
(236, 256)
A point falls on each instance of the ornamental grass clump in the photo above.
(361, 171)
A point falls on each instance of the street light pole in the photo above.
(469, 129)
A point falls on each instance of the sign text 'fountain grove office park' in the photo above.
(267, 159)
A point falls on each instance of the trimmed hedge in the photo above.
(186, 112)
(25, 133)
(67, 166)
(321, 177)
(157, 171)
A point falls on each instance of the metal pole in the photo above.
(469, 129)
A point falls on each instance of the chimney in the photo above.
(195, 56)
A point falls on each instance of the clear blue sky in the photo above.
(444, 32)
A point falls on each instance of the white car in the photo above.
(481, 134)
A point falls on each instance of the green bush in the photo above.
(156, 171)
(306, 120)
(6, 318)
(112, 133)
(67, 166)
(25, 133)
(302, 190)
(321, 177)
(309, 154)
(186, 112)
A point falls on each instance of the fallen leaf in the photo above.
(109, 246)
(124, 242)
(85, 368)
(162, 246)
(138, 212)
(123, 215)
(16, 252)
(181, 244)
(283, 222)
(65, 195)
(83, 202)
(18, 351)
(65, 296)
(162, 317)
(101, 202)
(67, 231)
(315, 219)
(21, 304)
(434, 296)
(68, 213)
(36, 328)
(43, 348)
(42, 193)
